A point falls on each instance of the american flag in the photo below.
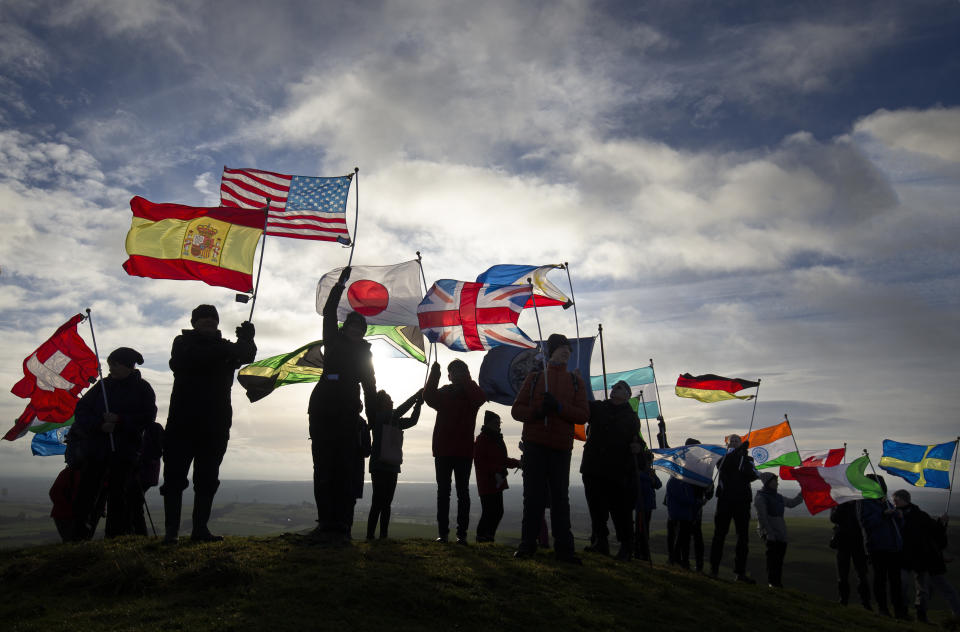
(469, 316)
(301, 207)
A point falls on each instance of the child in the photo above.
(771, 525)
(491, 461)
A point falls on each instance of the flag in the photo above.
(919, 465)
(641, 381)
(773, 446)
(53, 377)
(305, 364)
(51, 442)
(385, 295)
(692, 464)
(711, 388)
(826, 487)
(469, 316)
(547, 294)
(814, 458)
(215, 245)
(504, 368)
(301, 207)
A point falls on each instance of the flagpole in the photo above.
(656, 386)
(433, 345)
(356, 214)
(263, 245)
(103, 389)
(953, 471)
(645, 416)
(576, 320)
(749, 430)
(603, 360)
(792, 436)
(844, 452)
(543, 356)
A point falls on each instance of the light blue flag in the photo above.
(641, 382)
(693, 464)
(50, 443)
(919, 465)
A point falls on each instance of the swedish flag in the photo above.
(919, 465)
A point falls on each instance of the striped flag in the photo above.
(301, 207)
(814, 458)
(773, 446)
(693, 464)
(641, 383)
(826, 487)
(711, 388)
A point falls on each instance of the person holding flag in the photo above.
(733, 503)
(335, 435)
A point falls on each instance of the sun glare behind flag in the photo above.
(919, 465)
(215, 245)
(711, 388)
(301, 207)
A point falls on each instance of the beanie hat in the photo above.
(691, 441)
(204, 311)
(766, 477)
(489, 416)
(126, 356)
(355, 318)
(554, 342)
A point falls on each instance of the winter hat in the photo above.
(204, 311)
(766, 477)
(622, 383)
(126, 356)
(554, 342)
(490, 416)
(355, 318)
(691, 441)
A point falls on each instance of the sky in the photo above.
(756, 190)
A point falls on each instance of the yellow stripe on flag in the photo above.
(706, 395)
(203, 239)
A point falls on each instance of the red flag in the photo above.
(814, 458)
(53, 377)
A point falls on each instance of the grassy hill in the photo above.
(285, 583)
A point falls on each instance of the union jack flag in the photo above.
(468, 316)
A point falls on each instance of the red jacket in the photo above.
(456, 416)
(490, 459)
(556, 431)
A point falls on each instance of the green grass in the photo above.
(286, 583)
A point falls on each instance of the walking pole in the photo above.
(103, 389)
(576, 321)
(543, 355)
(356, 214)
(603, 360)
(263, 245)
(645, 416)
(953, 471)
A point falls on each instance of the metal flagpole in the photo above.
(844, 458)
(647, 417)
(603, 360)
(867, 454)
(953, 471)
(356, 214)
(656, 386)
(576, 320)
(103, 389)
(433, 345)
(543, 355)
(792, 436)
(755, 398)
(263, 245)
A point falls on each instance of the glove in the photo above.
(344, 275)
(435, 370)
(246, 331)
(550, 404)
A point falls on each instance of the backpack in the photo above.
(391, 445)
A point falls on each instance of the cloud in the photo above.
(933, 132)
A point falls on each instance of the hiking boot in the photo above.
(569, 558)
(624, 554)
(205, 536)
(442, 539)
(462, 541)
(600, 545)
(523, 553)
(744, 579)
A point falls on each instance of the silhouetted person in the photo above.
(456, 404)
(336, 435)
(882, 528)
(609, 469)
(108, 444)
(733, 503)
(772, 527)
(647, 485)
(491, 461)
(200, 416)
(548, 416)
(848, 542)
(386, 455)
(924, 540)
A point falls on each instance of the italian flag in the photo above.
(773, 446)
(826, 487)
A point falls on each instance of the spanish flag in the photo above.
(711, 388)
(214, 245)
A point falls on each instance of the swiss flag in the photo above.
(53, 377)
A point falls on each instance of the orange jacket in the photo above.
(556, 431)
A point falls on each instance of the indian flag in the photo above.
(826, 487)
(773, 446)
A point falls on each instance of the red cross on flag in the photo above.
(385, 295)
(469, 316)
(53, 377)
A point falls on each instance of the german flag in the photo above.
(711, 388)
(215, 245)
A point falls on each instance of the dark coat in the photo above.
(611, 430)
(203, 366)
(881, 526)
(846, 526)
(681, 500)
(132, 399)
(923, 541)
(394, 418)
(647, 485)
(456, 422)
(736, 474)
(490, 460)
(347, 365)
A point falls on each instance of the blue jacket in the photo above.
(681, 500)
